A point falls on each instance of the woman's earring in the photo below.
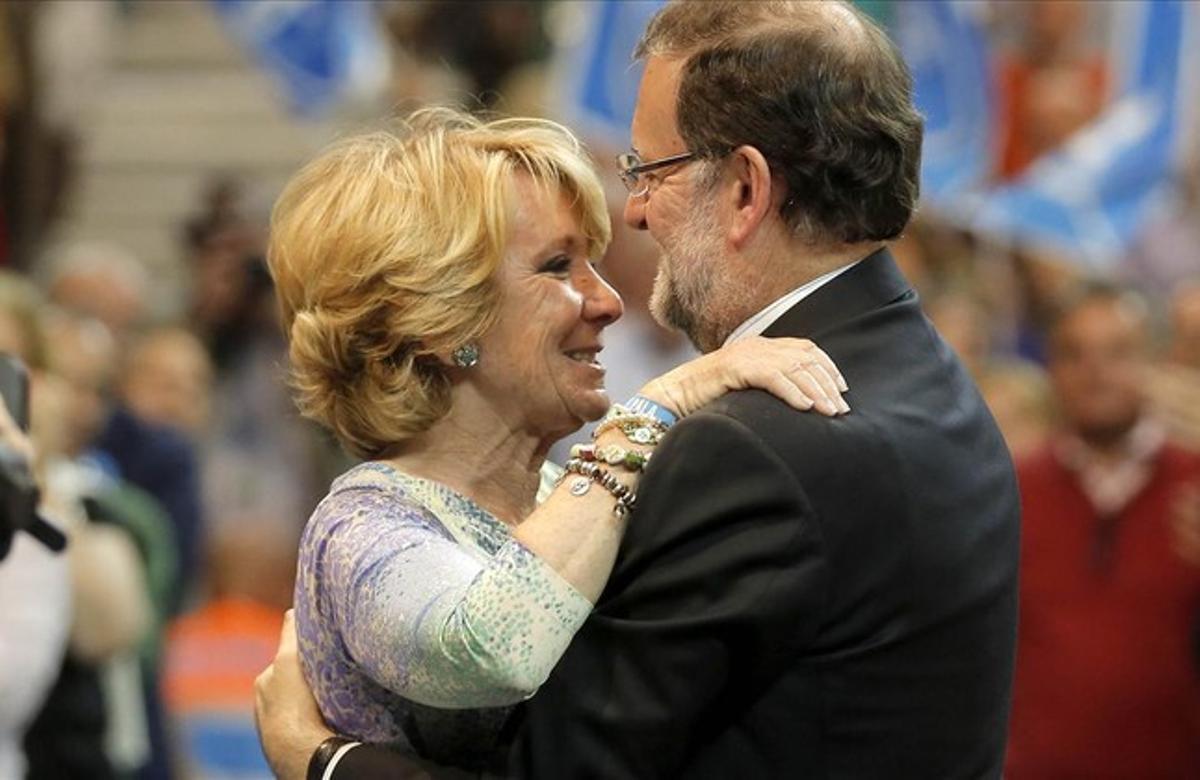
(466, 356)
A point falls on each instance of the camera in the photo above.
(18, 490)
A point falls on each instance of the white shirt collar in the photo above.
(774, 310)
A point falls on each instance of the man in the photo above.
(794, 597)
(1106, 684)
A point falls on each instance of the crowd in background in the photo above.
(170, 450)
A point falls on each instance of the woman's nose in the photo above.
(602, 305)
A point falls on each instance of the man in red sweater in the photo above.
(1106, 680)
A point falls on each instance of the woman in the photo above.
(445, 316)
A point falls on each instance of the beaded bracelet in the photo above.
(633, 460)
(657, 417)
(592, 472)
(638, 428)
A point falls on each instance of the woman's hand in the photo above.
(794, 370)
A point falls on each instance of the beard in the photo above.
(687, 274)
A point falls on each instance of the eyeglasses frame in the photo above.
(630, 174)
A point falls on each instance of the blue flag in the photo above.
(1090, 198)
(945, 47)
(314, 49)
(601, 82)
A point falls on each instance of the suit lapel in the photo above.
(873, 283)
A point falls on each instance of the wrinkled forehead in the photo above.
(544, 216)
(654, 132)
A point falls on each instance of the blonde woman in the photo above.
(440, 287)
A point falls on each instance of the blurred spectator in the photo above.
(1185, 324)
(126, 453)
(35, 591)
(259, 457)
(221, 208)
(105, 612)
(34, 583)
(962, 321)
(1041, 280)
(153, 458)
(1018, 395)
(1051, 83)
(1106, 682)
(1015, 390)
(168, 381)
(60, 54)
(215, 652)
(485, 39)
(100, 280)
(1166, 255)
(1175, 383)
(123, 565)
(229, 287)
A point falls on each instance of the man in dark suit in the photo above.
(795, 596)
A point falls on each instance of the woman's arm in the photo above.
(578, 536)
(428, 620)
(291, 730)
(423, 615)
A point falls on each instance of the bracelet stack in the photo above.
(642, 422)
(590, 472)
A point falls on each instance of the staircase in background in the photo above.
(181, 103)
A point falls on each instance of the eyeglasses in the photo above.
(631, 169)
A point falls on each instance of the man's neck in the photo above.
(770, 275)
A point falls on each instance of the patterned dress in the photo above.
(421, 619)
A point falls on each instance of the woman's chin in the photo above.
(596, 406)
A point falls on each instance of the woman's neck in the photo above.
(478, 453)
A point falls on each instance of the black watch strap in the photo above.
(324, 753)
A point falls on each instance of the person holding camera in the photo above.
(64, 617)
(35, 592)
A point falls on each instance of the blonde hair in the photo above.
(385, 251)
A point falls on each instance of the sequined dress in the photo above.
(421, 620)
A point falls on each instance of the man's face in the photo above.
(1096, 367)
(680, 218)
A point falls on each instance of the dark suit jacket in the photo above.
(805, 597)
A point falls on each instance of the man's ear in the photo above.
(750, 193)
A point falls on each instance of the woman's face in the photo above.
(540, 364)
